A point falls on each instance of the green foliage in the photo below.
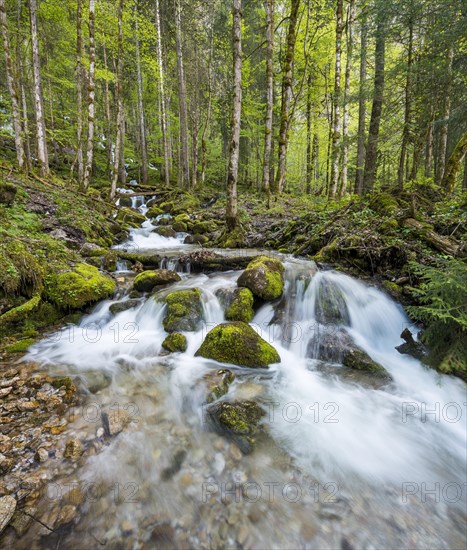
(443, 298)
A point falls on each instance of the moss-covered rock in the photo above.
(239, 344)
(165, 231)
(148, 280)
(154, 211)
(359, 360)
(331, 307)
(125, 201)
(180, 227)
(184, 310)
(123, 306)
(77, 288)
(237, 303)
(218, 383)
(175, 342)
(238, 421)
(7, 193)
(183, 218)
(200, 228)
(129, 217)
(195, 239)
(21, 346)
(389, 226)
(264, 276)
(384, 204)
(109, 261)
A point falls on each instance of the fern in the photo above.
(442, 296)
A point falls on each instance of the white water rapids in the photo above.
(378, 450)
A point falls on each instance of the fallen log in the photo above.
(444, 244)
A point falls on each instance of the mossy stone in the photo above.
(175, 342)
(21, 346)
(239, 344)
(200, 228)
(331, 307)
(384, 204)
(165, 231)
(123, 306)
(388, 226)
(154, 211)
(195, 239)
(184, 218)
(180, 227)
(237, 303)
(218, 384)
(359, 360)
(184, 310)
(77, 288)
(127, 216)
(238, 421)
(264, 276)
(7, 193)
(148, 280)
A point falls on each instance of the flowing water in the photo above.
(345, 464)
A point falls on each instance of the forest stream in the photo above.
(342, 458)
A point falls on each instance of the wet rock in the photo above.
(175, 466)
(359, 360)
(22, 520)
(238, 421)
(130, 217)
(264, 276)
(180, 227)
(237, 303)
(42, 455)
(411, 346)
(218, 384)
(7, 509)
(73, 449)
(162, 536)
(165, 231)
(95, 380)
(6, 464)
(195, 239)
(115, 420)
(239, 344)
(184, 310)
(148, 280)
(175, 342)
(123, 306)
(331, 308)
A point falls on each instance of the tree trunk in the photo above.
(429, 148)
(12, 88)
(91, 97)
(204, 149)
(443, 133)
(108, 137)
(24, 103)
(79, 92)
(454, 164)
(336, 123)
(361, 107)
(182, 102)
(119, 101)
(287, 72)
(38, 97)
(345, 149)
(165, 138)
(231, 218)
(407, 113)
(142, 119)
(268, 129)
(309, 138)
(376, 110)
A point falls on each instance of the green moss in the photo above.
(21, 346)
(130, 217)
(359, 360)
(218, 384)
(384, 204)
(21, 312)
(165, 231)
(183, 218)
(239, 344)
(154, 211)
(175, 342)
(7, 193)
(184, 310)
(204, 227)
(180, 227)
(78, 288)
(264, 276)
(148, 280)
(241, 307)
(389, 226)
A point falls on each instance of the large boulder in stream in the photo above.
(238, 421)
(238, 344)
(237, 303)
(336, 346)
(330, 307)
(165, 231)
(79, 287)
(264, 276)
(148, 280)
(184, 310)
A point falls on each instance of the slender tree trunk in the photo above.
(408, 108)
(429, 147)
(182, 101)
(119, 101)
(24, 103)
(142, 118)
(454, 164)
(91, 97)
(204, 149)
(12, 89)
(315, 160)
(464, 181)
(443, 133)
(336, 124)
(79, 91)
(269, 4)
(361, 107)
(231, 210)
(309, 137)
(345, 149)
(108, 137)
(165, 138)
(287, 73)
(371, 157)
